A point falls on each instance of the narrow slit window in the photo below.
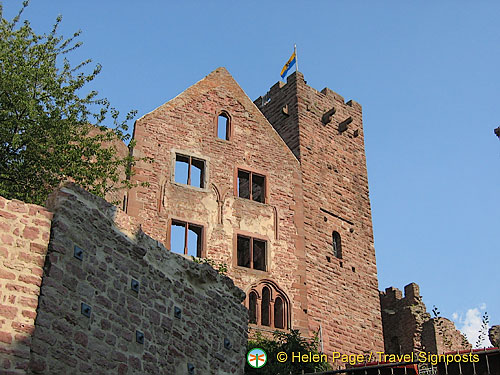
(251, 186)
(251, 253)
(337, 245)
(265, 307)
(189, 171)
(186, 238)
(223, 126)
(252, 307)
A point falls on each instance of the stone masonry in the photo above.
(112, 300)
(24, 235)
(308, 145)
(408, 327)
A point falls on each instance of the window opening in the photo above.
(252, 302)
(268, 306)
(186, 238)
(189, 171)
(266, 299)
(278, 313)
(337, 245)
(223, 126)
(251, 186)
(243, 249)
(251, 253)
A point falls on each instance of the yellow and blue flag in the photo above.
(291, 62)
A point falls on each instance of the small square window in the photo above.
(189, 171)
(251, 253)
(186, 238)
(251, 186)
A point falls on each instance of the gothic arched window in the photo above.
(268, 306)
(252, 307)
(265, 307)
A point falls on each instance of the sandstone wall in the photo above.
(113, 300)
(326, 134)
(24, 235)
(408, 327)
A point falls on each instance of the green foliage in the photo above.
(483, 331)
(287, 342)
(219, 267)
(47, 127)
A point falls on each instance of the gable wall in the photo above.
(187, 124)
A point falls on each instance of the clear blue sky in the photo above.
(426, 74)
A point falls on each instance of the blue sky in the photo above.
(427, 76)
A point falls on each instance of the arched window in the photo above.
(223, 126)
(265, 307)
(252, 307)
(268, 306)
(337, 245)
(278, 313)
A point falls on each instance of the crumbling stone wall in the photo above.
(115, 301)
(494, 336)
(408, 327)
(24, 235)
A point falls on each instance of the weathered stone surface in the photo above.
(408, 327)
(23, 227)
(115, 250)
(494, 335)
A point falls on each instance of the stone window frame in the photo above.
(251, 171)
(336, 244)
(252, 236)
(190, 154)
(203, 243)
(229, 125)
(275, 294)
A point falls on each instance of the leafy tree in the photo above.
(287, 342)
(49, 130)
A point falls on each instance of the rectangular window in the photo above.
(251, 186)
(186, 238)
(189, 171)
(251, 253)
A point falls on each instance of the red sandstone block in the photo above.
(6, 275)
(3, 202)
(17, 206)
(4, 253)
(31, 233)
(28, 302)
(38, 248)
(4, 227)
(7, 239)
(8, 312)
(29, 314)
(7, 215)
(5, 337)
(23, 327)
(30, 280)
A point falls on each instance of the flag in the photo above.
(291, 62)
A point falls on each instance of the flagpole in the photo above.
(296, 58)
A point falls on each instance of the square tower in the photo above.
(325, 133)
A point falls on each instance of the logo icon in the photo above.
(256, 358)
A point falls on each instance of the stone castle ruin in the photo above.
(276, 190)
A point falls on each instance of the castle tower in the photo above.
(326, 135)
